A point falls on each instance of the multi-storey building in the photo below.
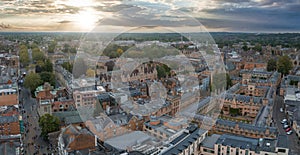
(239, 128)
(8, 97)
(238, 145)
(75, 139)
(9, 125)
(85, 98)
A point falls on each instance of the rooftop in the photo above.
(184, 140)
(210, 141)
(128, 140)
(238, 142)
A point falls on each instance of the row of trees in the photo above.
(114, 51)
(282, 65)
(24, 56)
(43, 70)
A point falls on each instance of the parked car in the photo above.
(286, 126)
(281, 109)
(289, 132)
(288, 129)
(284, 120)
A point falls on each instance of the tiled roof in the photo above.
(184, 141)
(238, 142)
(243, 98)
(8, 119)
(245, 126)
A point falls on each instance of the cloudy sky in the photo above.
(109, 15)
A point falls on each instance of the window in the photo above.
(281, 150)
(228, 150)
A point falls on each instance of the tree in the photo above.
(47, 66)
(162, 71)
(257, 47)
(245, 48)
(119, 51)
(24, 56)
(48, 124)
(52, 46)
(37, 55)
(228, 81)
(48, 77)
(90, 73)
(271, 65)
(284, 65)
(110, 65)
(68, 66)
(32, 81)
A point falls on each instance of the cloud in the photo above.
(229, 15)
(64, 21)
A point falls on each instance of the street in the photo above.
(278, 117)
(33, 143)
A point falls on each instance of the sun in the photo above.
(86, 20)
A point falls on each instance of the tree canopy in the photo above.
(162, 71)
(48, 124)
(24, 56)
(90, 73)
(37, 55)
(284, 65)
(271, 65)
(48, 77)
(228, 81)
(68, 66)
(32, 81)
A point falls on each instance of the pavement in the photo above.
(33, 143)
(294, 147)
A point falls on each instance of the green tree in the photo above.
(37, 55)
(228, 81)
(284, 65)
(271, 65)
(47, 66)
(52, 46)
(66, 48)
(24, 56)
(48, 77)
(68, 66)
(162, 71)
(245, 48)
(257, 47)
(90, 73)
(48, 124)
(32, 81)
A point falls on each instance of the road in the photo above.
(33, 143)
(277, 117)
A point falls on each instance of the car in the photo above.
(286, 126)
(289, 132)
(284, 120)
(281, 109)
(288, 129)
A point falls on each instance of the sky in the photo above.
(123, 15)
